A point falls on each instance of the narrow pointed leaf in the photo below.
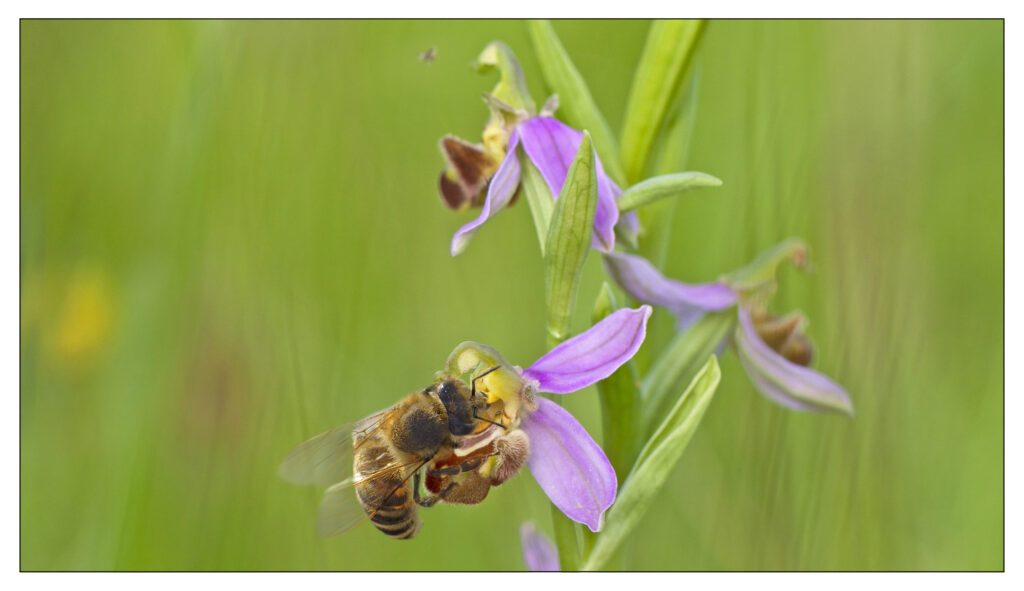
(658, 81)
(680, 361)
(620, 400)
(657, 459)
(568, 240)
(577, 106)
(538, 197)
(664, 186)
(673, 150)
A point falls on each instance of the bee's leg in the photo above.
(432, 500)
(467, 466)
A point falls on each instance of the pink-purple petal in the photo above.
(569, 465)
(638, 278)
(499, 192)
(539, 554)
(783, 381)
(593, 355)
(551, 145)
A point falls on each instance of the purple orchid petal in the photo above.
(499, 192)
(789, 384)
(638, 278)
(539, 554)
(566, 462)
(593, 355)
(551, 145)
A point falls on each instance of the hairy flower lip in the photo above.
(566, 462)
(550, 145)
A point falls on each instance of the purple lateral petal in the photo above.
(566, 462)
(591, 356)
(638, 277)
(789, 384)
(499, 192)
(539, 553)
(551, 145)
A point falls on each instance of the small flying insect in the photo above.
(382, 459)
(429, 55)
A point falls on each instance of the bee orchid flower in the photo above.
(564, 459)
(774, 351)
(539, 554)
(516, 133)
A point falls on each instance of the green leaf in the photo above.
(673, 149)
(620, 401)
(658, 81)
(661, 187)
(538, 197)
(761, 271)
(511, 88)
(680, 361)
(577, 106)
(568, 240)
(657, 459)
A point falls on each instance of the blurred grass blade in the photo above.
(664, 186)
(577, 106)
(658, 81)
(568, 241)
(680, 360)
(656, 461)
(620, 401)
(762, 270)
(538, 197)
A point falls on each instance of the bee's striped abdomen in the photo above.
(387, 500)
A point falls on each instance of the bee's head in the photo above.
(455, 396)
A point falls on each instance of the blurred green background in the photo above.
(231, 240)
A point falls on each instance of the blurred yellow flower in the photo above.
(84, 319)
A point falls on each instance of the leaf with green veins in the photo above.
(620, 401)
(657, 459)
(761, 271)
(680, 361)
(577, 106)
(568, 240)
(662, 187)
(538, 197)
(658, 81)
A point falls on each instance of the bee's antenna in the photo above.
(489, 371)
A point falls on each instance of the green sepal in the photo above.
(538, 197)
(760, 273)
(661, 187)
(655, 463)
(568, 239)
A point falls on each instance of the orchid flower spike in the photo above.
(516, 134)
(774, 351)
(564, 459)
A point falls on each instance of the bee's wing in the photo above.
(340, 509)
(327, 458)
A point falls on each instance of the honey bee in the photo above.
(384, 457)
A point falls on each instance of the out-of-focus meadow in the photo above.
(231, 240)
